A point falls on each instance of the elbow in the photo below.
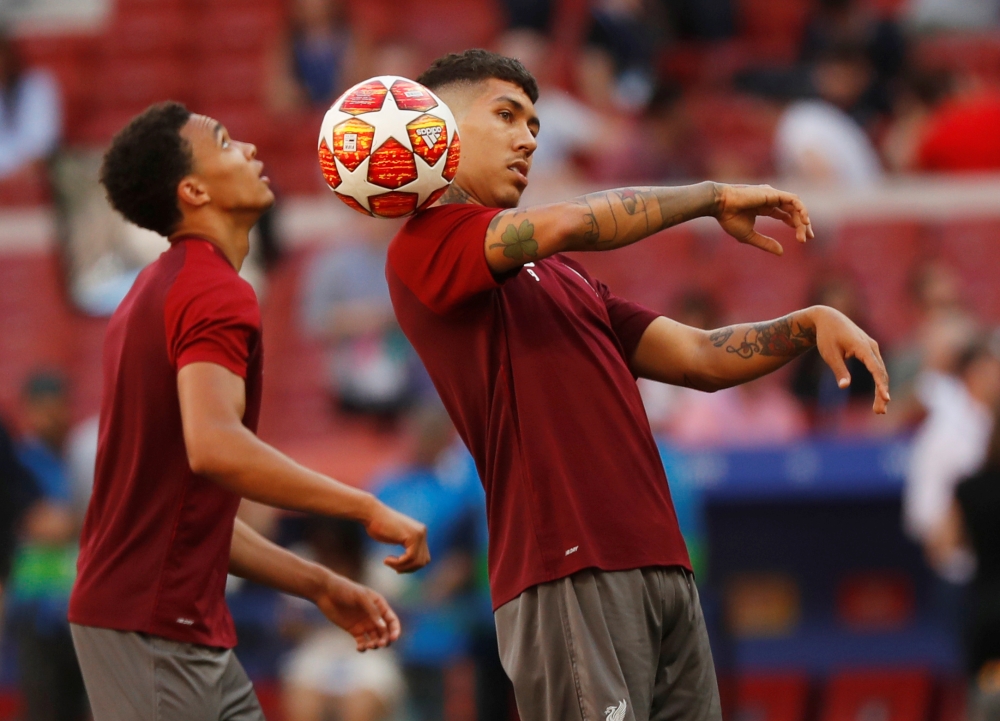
(205, 456)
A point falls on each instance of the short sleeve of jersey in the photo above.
(212, 319)
(628, 320)
(439, 255)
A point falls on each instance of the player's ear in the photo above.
(192, 191)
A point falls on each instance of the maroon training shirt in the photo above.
(534, 373)
(154, 552)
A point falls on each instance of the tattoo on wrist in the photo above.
(783, 338)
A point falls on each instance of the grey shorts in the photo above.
(610, 646)
(137, 677)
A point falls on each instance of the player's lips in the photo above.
(520, 168)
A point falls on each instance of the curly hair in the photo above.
(476, 65)
(146, 161)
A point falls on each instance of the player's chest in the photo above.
(549, 293)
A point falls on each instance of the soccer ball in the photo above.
(389, 147)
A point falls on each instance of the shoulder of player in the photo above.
(207, 280)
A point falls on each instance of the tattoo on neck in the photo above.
(455, 194)
(783, 338)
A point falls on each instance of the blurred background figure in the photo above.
(17, 491)
(30, 111)
(972, 525)
(317, 58)
(45, 566)
(950, 446)
(437, 605)
(820, 140)
(324, 677)
(373, 370)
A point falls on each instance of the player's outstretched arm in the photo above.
(615, 218)
(221, 448)
(358, 610)
(710, 360)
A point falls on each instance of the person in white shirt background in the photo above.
(30, 111)
(949, 446)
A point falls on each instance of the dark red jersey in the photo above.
(155, 546)
(534, 372)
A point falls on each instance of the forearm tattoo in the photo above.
(783, 338)
(614, 218)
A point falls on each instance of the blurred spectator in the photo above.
(325, 677)
(931, 15)
(17, 492)
(30, 112)
(617, 68)
(570, 130)
(665, 146)
(814, 383)
(879, 42)
(436, 605)
(757, 413)
(921, 367)
(50, 679)
(949, 446)
(973, 523)
(373, 370)
(818, 140)
(960, 134)
(317, 59)
(918, 94)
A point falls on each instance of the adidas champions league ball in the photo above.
(389, 147)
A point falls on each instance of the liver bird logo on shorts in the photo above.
(616, 713)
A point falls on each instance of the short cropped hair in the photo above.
(477, 65)
(145, 163)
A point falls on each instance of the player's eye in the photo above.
(506, 115)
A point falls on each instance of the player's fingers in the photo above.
(838, 365)
(779, 214)
(405, 563)
(873, 362)
(799, 220)
(764, 242)
(388, 616)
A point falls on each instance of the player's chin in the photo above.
(510, 196)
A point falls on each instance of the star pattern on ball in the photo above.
(377, 160)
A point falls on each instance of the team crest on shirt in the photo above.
(616, 713)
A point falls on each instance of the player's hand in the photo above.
(838, 338)
(358, 610)
(739, 206)
(389, 526)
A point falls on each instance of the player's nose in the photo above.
(249, 150)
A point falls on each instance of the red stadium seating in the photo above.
(883, 695)
(973, 248)
(772, 697)
(880, 256)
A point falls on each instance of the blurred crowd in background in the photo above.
(831, 95)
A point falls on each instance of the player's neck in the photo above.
(231, 235)
(457, 195)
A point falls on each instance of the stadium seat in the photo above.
(774, 27)
(772, 697)
(227, 78)
(28, 187)
(880, 256)
(245, 30)
(972, 247)
(142, 30)
(877, 694)
(137, 83)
